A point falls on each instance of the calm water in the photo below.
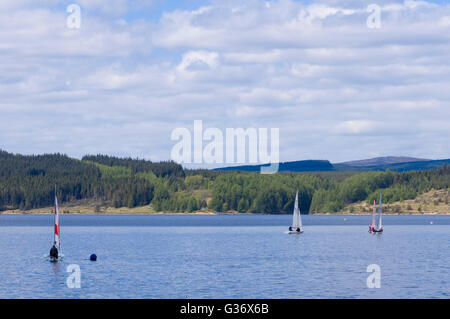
(244, 256)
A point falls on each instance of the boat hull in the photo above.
(53, 259)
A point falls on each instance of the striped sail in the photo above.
(57, 240)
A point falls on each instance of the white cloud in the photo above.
(198, 60)
(445, 21)
(316, 71)
(357, 126)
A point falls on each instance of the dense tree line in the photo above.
(394, 186)
(253, 192)
(160, 169)
(28, 182)
(320, 192)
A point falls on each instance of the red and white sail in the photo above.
(57, 239)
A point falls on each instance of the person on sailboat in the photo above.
(54, 252)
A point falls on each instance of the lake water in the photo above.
(225, 256)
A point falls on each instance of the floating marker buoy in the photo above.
(93, 257)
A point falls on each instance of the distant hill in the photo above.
(397, 164)
(396, 167)
(298, 166)
(384, 161)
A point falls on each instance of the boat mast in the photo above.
(379, 226)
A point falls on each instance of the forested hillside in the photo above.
(161, 169)
(28, 182)
(320, 192)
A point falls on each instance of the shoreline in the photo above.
(432, 203)
(206, 213)
(113, 213)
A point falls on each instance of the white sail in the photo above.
(297, 220)
(379, 223)
(373, 214)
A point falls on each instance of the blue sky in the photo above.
(136, 70)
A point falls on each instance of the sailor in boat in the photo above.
(297, 229)
(54, 252)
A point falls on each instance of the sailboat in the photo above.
(57, 232)
(296, 227)
(378, 228)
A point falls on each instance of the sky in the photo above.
(136, 70)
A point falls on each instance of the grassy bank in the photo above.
(435, 202)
